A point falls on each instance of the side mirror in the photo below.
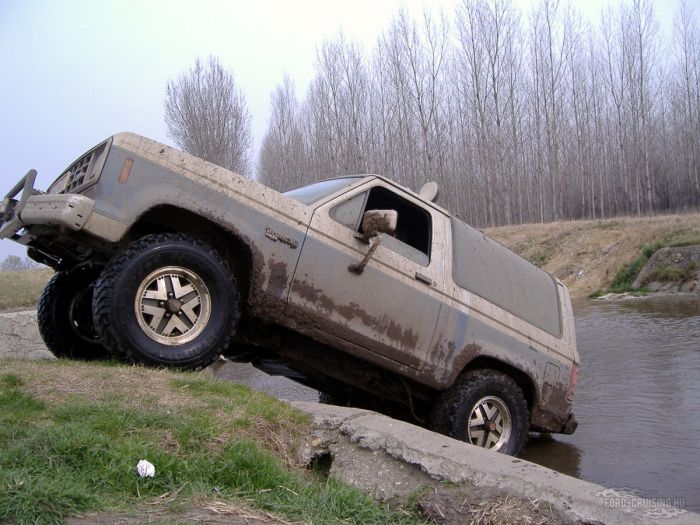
(375, 222)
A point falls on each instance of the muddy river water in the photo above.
(637, 402)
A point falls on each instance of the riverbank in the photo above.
(71, 434)
(587, 255)
(20, 290)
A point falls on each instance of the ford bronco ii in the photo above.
(355, 286)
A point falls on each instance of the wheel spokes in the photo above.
(160, 293)
(489, 423)
(478, 438)
(188, 309)
(175, 323)
(157, 314)
(179, 291)
(173, 305)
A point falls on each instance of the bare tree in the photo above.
(519, 118)
(281, 160)
(13, 263)
(687, 49)
(207, 116)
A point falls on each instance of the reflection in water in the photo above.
(545, 450)
(637, 402)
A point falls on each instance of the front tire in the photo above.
(485, 408)
(64, 316)
(167, 300)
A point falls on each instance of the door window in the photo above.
(412, 238)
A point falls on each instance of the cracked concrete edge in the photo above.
(447, 459)
(20, 338)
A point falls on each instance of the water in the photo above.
(637, 402)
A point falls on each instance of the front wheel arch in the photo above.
(168, 218)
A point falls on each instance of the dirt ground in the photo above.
(210, 512)
(586, 255)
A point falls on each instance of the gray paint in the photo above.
(490, 270)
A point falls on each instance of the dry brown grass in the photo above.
(58, 381)
(198, 510)
(447, 505)
(506, 510)
(21, 290)
(598, 248)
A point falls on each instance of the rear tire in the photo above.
(167, 300)
(485, 408)
(64, 316)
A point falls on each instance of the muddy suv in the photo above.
(355, 286)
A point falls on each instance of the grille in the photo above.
(83, 172)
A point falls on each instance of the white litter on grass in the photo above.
(145, 469)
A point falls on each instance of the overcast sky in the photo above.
(76, 71)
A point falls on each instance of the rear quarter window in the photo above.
(493, 272)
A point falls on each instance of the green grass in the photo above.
(76, 453)
(624, 279)
(667, 274)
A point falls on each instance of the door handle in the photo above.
(424, 279)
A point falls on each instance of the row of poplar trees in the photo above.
(520, 116)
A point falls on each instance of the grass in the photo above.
(22, 289)
(625, 277)
(588, 255)
(667, 274)
(628, 273)
(72, 433)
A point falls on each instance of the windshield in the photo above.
(318, 190)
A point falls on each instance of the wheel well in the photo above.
(521, 378)
(177, 220)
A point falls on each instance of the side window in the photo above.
(348, 213)
(413, 228)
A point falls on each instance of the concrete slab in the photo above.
(19, 337)
(445, 459)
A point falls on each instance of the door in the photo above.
(393, 306)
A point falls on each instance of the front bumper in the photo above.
(69, 211)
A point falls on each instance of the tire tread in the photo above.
(104, 291)
(444, 417)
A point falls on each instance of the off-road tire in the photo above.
(121, 325)
(64, 316)
(452, 412)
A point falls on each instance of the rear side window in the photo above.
(493, 272)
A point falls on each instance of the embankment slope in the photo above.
(586, 255)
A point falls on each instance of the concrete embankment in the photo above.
(393, 459)
(19, 337)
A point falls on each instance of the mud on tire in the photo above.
(64, 316)
(486, 408)
(167, 300)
